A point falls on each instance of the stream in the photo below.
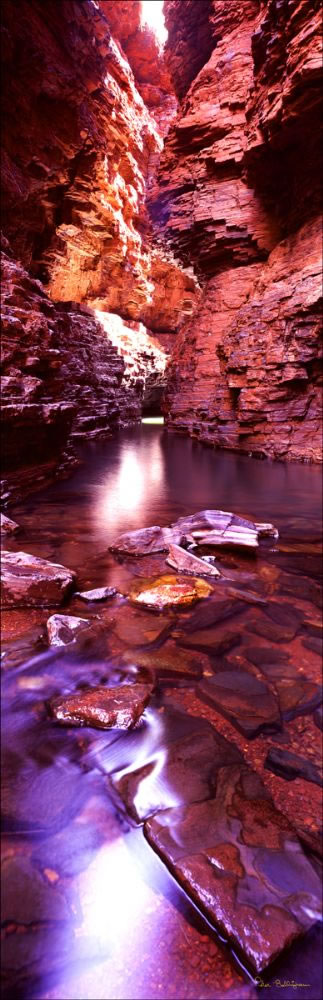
(91, 910)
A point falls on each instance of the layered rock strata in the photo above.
(238, 197)
(81, 147)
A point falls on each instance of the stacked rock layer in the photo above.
(239, 196)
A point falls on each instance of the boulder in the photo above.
(168, 591)
(64, 629)
(102, 707)
(28, 581)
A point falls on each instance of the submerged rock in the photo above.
(8, 527)
(102, 707)
(290, 766)
(246, 702)
(242, 864)
(98, 594)
(169, 661)
(186, 562)
(27, 581)
(64, 629)
(169, 591)
(183, 771)
(137, 627)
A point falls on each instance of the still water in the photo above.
(91, 911)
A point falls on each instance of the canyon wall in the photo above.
(239, 196)
(80, 151)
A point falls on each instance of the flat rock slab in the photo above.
(181, 768)
(7, 526)
(145, 541)
(272, 630)
(246, 702)
(186, 562)
(169, 661)
(239, 860)
(221, 520)
(168, 591)
(261, 655)
(296, 694)
(212, 613)
(102, 707)
(27, 581)
(98, 594)
(64, 629)
(290, 766)
(207, 640)
(137, 627)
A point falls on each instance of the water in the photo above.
(92, 911)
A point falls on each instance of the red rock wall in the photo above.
(239, 191)
(80, 149)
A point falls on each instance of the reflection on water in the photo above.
(93, 913)
(135, 477)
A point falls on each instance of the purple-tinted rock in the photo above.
(241, 863)
(64, 629)
(290, 766)
(177, 771)
(246, 702)
(27, 581)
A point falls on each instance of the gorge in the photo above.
(161, 431)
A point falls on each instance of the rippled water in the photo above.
(93, 913)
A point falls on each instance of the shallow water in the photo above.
(106, 920)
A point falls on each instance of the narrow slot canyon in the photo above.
(161, 525)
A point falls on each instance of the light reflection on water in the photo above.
(144, 476)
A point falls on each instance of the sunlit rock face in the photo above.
(81, 149)
(64, 378)
(239, 197)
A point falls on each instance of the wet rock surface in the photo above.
(247, 702)
(187, 562)
(245, 869)
(64, 629)
(98, 594)
(290, 766)
(236, 850)
(144, 541)
(168, 591)
(188, 773)
(104, 708)
(28, 581)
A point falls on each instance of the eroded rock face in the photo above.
(27, 581)
(81, 149)
(238, 196)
